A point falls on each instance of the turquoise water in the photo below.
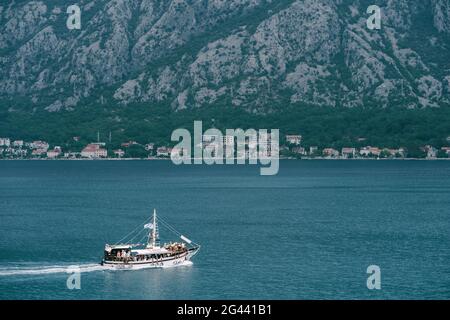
(308, 233)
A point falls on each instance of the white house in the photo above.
(431, 152)
(54, 153)
(149, 146)
(18, 143)
(119, 153)
(5, 142)
(299, 150)
(294, 139)
(348, 153)
(38, 152)
(313, 150)
(330, 152)
(163, 152)
(368, 151)
(40, 145)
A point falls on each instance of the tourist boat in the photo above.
(147, 252)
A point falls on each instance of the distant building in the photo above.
(299, 150)
(313, 150)
(228, 145)
(128, 144)
(431, 152)
(403, 152)
(283, 149)
(348, 153)
(228, 140)
(163, 152)
(330, 153)
(19, 152)
(265, 136)
(71, 155)
(56, 152)
(94, 150)
(370, 151)
(446, 150)
(252, 141)
(6, 142)
(209, 138)
(18, 143)
(178, 153)
(395, 152)
(149, 146)
(365, 151)
(294, 139)
(39, 152)
(266, 149)
(40, 145)
(119, 153)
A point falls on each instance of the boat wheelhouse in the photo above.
(142, 248)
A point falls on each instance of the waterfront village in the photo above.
(290, 148)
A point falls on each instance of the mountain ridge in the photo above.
(251, 53)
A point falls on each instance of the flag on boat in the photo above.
(148, 226)
(185, 239)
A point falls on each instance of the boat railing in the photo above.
(171, 254)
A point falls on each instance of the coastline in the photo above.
(292, 159)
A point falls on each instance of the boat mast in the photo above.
(154, 229)
(153, 233)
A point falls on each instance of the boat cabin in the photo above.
(128, 253)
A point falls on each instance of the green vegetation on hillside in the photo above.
(320, 126)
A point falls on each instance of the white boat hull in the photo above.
(151, 264)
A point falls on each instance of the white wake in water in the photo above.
(90, 267)
(41, 270)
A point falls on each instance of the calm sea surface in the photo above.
(308, 233)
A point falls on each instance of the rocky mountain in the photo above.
(252, 54)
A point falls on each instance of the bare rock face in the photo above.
(441, 13)
(251, 53)
(18, 23)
